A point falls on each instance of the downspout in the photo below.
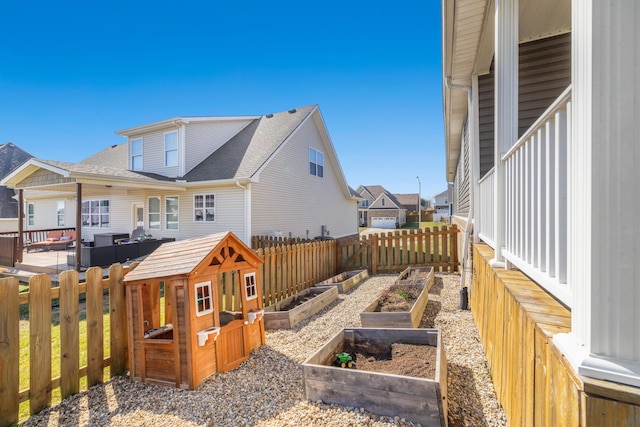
(247, 212)
(464, 295)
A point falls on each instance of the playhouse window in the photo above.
(250, 286)
(204, 298)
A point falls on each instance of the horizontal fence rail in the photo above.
(536, 199)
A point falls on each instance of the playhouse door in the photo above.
(231, 346)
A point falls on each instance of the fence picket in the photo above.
(40, 343)
(9, 351)
(69, 334)
(95, 328)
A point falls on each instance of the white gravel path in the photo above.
(267, 389)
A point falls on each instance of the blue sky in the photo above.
(72, 73)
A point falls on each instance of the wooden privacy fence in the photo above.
(258, 242)
(290, 269)
(286, 271)
(396, 250)
(39, 300)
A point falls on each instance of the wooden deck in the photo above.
(534, 382)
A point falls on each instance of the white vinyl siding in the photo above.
(153, 156)
(291, 200)
(45, 213)
(204, 138)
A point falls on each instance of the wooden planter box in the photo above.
(345, 281)
(418, 400)
(369, 318)
(274, 318)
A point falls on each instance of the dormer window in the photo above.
(171, 148)
(136, 154)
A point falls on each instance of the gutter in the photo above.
(247, 212)
(467, 231)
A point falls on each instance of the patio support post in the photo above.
(78, 225)
(602, 197)
(506, 110)
(20, 225)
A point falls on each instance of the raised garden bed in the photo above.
(409, 395)
(412, 289)
(345, 281)
(286, 313)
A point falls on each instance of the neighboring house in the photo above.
(380, 208)
(541, 107)
(443, 205)
(409, 201)
(191, 176)
(11, 156)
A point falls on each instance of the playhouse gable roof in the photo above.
(190, 256)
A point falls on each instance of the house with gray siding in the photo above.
(191, 176)
(541, 106)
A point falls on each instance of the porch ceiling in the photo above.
(468, 46)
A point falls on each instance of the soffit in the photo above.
(468, 46)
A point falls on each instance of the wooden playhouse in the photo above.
(193, 337)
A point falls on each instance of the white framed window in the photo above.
(31, 214)
(136, 154)
(204, 298)
(154, 213)
(382, 202)
(95, 214)
(250, 287)
(171, 148)
(60, 213)
(204, 207)
(316, 162)
(172, 211)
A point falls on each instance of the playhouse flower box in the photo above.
(420, 400)
(370, 318)
(345, 281)
(276, 317)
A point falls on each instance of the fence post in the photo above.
(9, 351)
(374, 254)
(453, 232)
(118, 320)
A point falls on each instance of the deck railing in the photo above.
(536, 199)
(485, 208)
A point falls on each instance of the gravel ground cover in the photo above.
(267, 389)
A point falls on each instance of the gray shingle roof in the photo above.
(115, 172)
(116, 156)
(246, 152)
(11, 156)
(377, 190)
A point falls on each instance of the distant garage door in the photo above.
(383, 222)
